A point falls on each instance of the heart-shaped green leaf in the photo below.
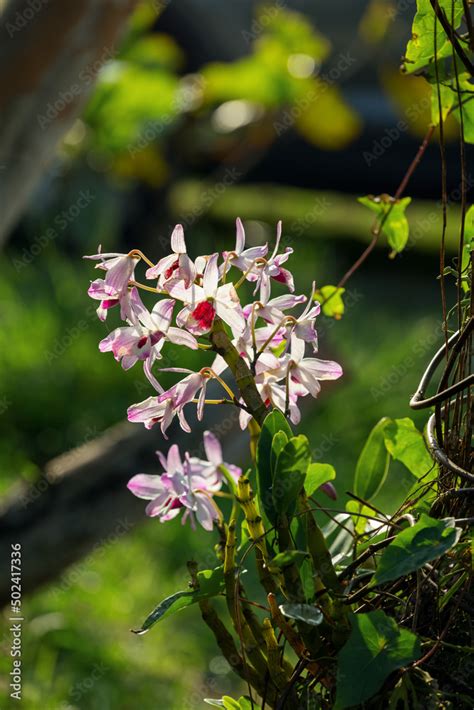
(415, 546)
(376, 647)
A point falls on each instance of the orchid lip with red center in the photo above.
(204, 315)
(170, 271)
(109, 303)
(280, 277)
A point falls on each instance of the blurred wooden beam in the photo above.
(312, 213)
(50, 54)
(81, 499)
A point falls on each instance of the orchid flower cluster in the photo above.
(270, 343)
(189, 485)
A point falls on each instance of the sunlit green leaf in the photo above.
(392, 218)
(420, 50)
(376, 647)
(415, 546)
(331, 301)
(229, 703)
(372, 466)
(406, 444)
(359, 513)
(278, 444)
(316, 475)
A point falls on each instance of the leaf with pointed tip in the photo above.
(372, 466)
(211, 583)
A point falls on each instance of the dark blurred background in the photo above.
(203, 111)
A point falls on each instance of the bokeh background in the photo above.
(206, 111)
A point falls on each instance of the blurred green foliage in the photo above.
(143, 94)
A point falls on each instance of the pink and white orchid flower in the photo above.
(242, 258)
(204, 303)
(175, 490)
(309, 371)
(113, 289)
(145, 340)
(175, 267)
(272, 269)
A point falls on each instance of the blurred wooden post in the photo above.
(50, 54)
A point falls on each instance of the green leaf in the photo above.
(331, 301)
(290, 472)
(229, 703)
(274, 422)
(302, 612)
(287, 558)
(372, 466)
(211, 583)
(406, 444)
(415, 546)
(279, 442)
(375, 648)
(446, 98)
(421, 47)
(245, 704)
(391, 214)
(316, 475)
(469, 224)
